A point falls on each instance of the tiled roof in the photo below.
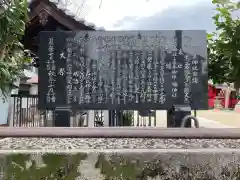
(72, 15)
(33, 77)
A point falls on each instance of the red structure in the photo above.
(212, 93)
(218, 91)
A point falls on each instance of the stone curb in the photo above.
(111, 151)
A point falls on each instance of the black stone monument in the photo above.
(123, 70)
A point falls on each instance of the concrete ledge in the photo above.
(121, 132)
(122, 164)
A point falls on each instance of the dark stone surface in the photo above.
(125, 69)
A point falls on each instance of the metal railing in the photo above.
(25, 113)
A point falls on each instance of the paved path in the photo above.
(204, 121)
(207, 123)
(224, 117)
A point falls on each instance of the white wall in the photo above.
(3, 111)
(33, 89)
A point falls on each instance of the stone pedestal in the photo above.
(62, 117)
(176, 114)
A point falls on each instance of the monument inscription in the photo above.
(123, 70)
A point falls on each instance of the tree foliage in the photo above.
(224, 44)
(13, 57)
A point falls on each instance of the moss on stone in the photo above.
(151, 169)
(58, 166)
(131, 167)
(117, 167)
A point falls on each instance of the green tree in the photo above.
(13, 57)
(224, 44)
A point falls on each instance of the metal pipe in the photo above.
(189, 118)
(122, 132)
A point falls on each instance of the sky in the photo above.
(149, 15)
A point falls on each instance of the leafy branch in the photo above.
(13, 57)
(224, 44)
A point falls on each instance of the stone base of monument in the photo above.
(62, 117)
(155, 159)
(176, 114)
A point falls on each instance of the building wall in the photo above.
(33, 89)
(4, 112)
(5, 108)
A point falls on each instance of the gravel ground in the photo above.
(112, 143)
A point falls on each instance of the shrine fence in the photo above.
(24, 112)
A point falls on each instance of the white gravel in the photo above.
(113, 143)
